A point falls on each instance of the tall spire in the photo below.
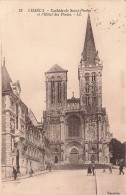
(89, 52)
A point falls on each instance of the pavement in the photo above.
(111, 183)
(68, 182)
(25, 176)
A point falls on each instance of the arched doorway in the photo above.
(56, 159)
(74, 155)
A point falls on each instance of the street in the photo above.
(108, 183)
(70, 182)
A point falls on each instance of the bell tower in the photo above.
(56, 88)
(90, 74)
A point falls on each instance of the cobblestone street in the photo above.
(74, 182)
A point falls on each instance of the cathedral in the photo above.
(77, 128)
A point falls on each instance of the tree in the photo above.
(117, 150)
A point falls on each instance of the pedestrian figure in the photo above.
(110, 168)
(14, 173)
(31, 172)
(93, 169)
(50, 167)
(89, 170)
(121, 169)
(104, 168)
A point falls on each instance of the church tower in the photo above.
(78, 128)
(56, 88)
(90, 74)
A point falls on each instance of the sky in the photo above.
(32, 44)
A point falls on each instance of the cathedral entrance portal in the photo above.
(74, 156)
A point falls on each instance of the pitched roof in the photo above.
(32, 118)
(6, 80)
(89, 52)
(56, 68)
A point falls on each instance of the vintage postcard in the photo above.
(63, 97)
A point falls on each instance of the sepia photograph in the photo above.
(63, 97)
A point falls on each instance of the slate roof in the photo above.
(89, 52)
(32, 118)
(56, 68)
(6, 80)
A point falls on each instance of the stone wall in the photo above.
(91, 129)
(54, 133)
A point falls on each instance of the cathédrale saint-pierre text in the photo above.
(59, 10)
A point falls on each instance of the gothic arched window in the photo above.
(94, 101)
(87, 77)
(93, 77)
(52, 92)
(94, 89)
(87, 88)
(73, 126)
(59, 91)
(87, 100)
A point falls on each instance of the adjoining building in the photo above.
(22, 135)
(78, 128)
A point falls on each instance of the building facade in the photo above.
(22, 135)
(78, 128)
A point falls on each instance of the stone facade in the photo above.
(22, 135)
(78, 128)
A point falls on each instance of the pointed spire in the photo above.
(89, 51)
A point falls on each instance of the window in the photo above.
(87, 77)
(12, 144)
(52, 92)
(87, 88)
(16, 116)
(93, 77)
(64, 91)
(87, 100)
(93, 89)
(12, 125)
(94, 101)
(73, 126)
(59, 91)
